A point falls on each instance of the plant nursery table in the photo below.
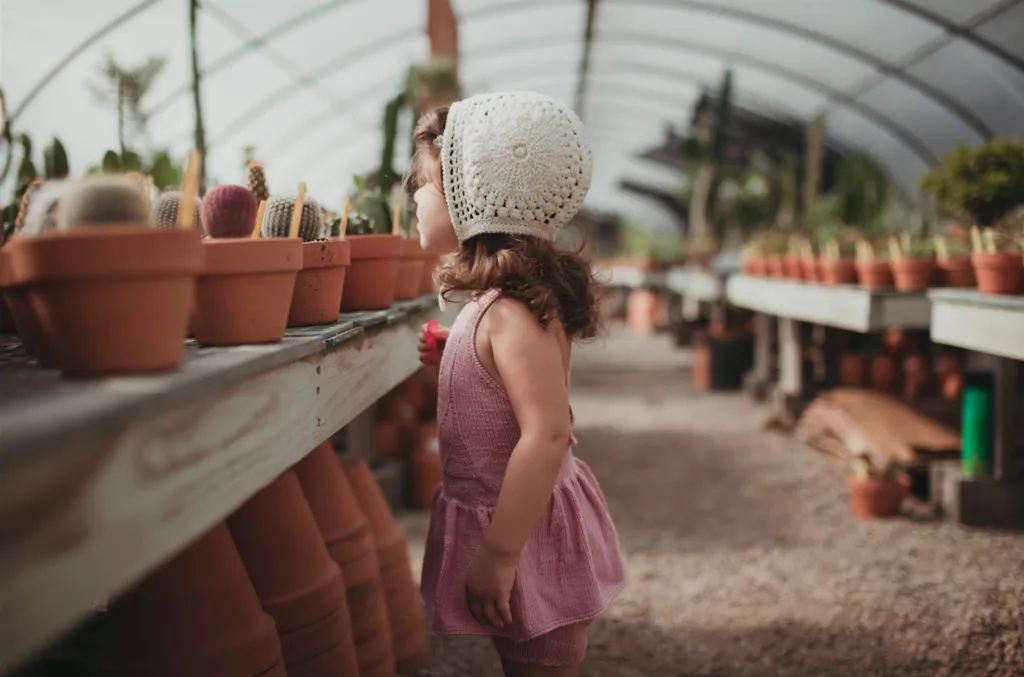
(994, 326)
(787, 303)
(103, 480)
(633, 278)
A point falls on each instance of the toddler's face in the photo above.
(437, 235)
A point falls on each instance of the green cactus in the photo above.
(358, 224)
(102, 200)
(278, 218)
(55, 160)
(165, 210)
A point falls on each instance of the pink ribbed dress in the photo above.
(571, 567)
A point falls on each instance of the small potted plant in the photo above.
(775, 248)
(792, 262)
(245, 291)
(953, 260)
(752, 257)
(997, 261)
(375, 252)
(411, 261)
(837, 260)
(912, 262)
(809, 261)
(873, 270)
(875, 492)
(112, 294)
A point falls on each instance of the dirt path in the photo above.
(743, 558)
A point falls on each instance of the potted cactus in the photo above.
(836, 260)
(111, 294)
(793, 261)
(997, 261)
(375, 253)
(953, 261)
(872, 264)
(753, 257)
(876, 492)
(412, 261)
(912, 261)
(244, 293)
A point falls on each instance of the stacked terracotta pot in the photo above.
(348, 537)
(408, 634)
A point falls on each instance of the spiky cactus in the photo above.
(358, 224)
(278, 218)
(165, 210)
(26, 201)
(229, 211)
(41, 215)
(102, 200)
(257, 181)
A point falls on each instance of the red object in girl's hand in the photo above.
(432, 341)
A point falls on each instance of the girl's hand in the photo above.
(489, 587)
(431, 344)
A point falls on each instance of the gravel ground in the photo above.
(743, 557)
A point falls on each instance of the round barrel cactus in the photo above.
(229, 211)
(278, 218)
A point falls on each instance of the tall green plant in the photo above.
(982, 183)
(864, 191)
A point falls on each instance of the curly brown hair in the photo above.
(556, 284)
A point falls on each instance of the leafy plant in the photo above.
(864, 191)
(981, 183)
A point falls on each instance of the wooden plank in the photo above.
(981, 322)
(843, 306)
(86, 517)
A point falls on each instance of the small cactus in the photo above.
(26, 201)
(358, 224)
(229, 211)
(257, 181)
(102, 200)
(41, 215)
(165, 210)
(278, 218)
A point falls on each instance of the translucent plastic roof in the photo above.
(305, 81)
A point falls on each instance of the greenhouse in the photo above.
(289, 294)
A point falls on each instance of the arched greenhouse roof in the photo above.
(305, 81)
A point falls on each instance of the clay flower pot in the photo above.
(295, 578)
(851, 369)
(811, 269)
(110, 300)
(874, 275)
(776, 268)
(998, 273)
(198, 614)
(838, 272)
(757, 266)
(318, 286)
(883, 372)
(244, 293)
(912, 274)
(430, 265)
(410, 270)
(373, 273)
(957, 271)
(793, 266)
(875, 497)
(26, 324)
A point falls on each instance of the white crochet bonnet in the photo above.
(516, 163)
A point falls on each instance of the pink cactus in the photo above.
(229, 211)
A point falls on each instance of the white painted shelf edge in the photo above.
(92, 515)
(980, 322)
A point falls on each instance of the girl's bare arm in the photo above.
(529, 362)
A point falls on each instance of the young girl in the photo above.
(521, 546)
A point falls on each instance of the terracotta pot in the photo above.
(876, 498)
(758, 266)
(349, 541)
(957, 271)
(297, 581)
(385, 438)
(998, 273)
(883, 372)
(198, 614)
(838, 272)
(915, 376)
(894, 339)
(430, 266)
(26, 323)
(874, 275)
(851, 369)
(776, 268)
(110, 300)
(392, 555)
(641, 311)
(410, 270)
(373, 273)
(811, 269)
(912, 274)
(319, 284)
(245, 291)
(793, 266)
(426, 467)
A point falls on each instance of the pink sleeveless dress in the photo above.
(571, 567)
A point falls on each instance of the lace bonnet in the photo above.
(515, 162)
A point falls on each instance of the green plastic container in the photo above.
(977, 425)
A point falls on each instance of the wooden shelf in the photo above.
(985, 323)
(101, 481)
(843, 306)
